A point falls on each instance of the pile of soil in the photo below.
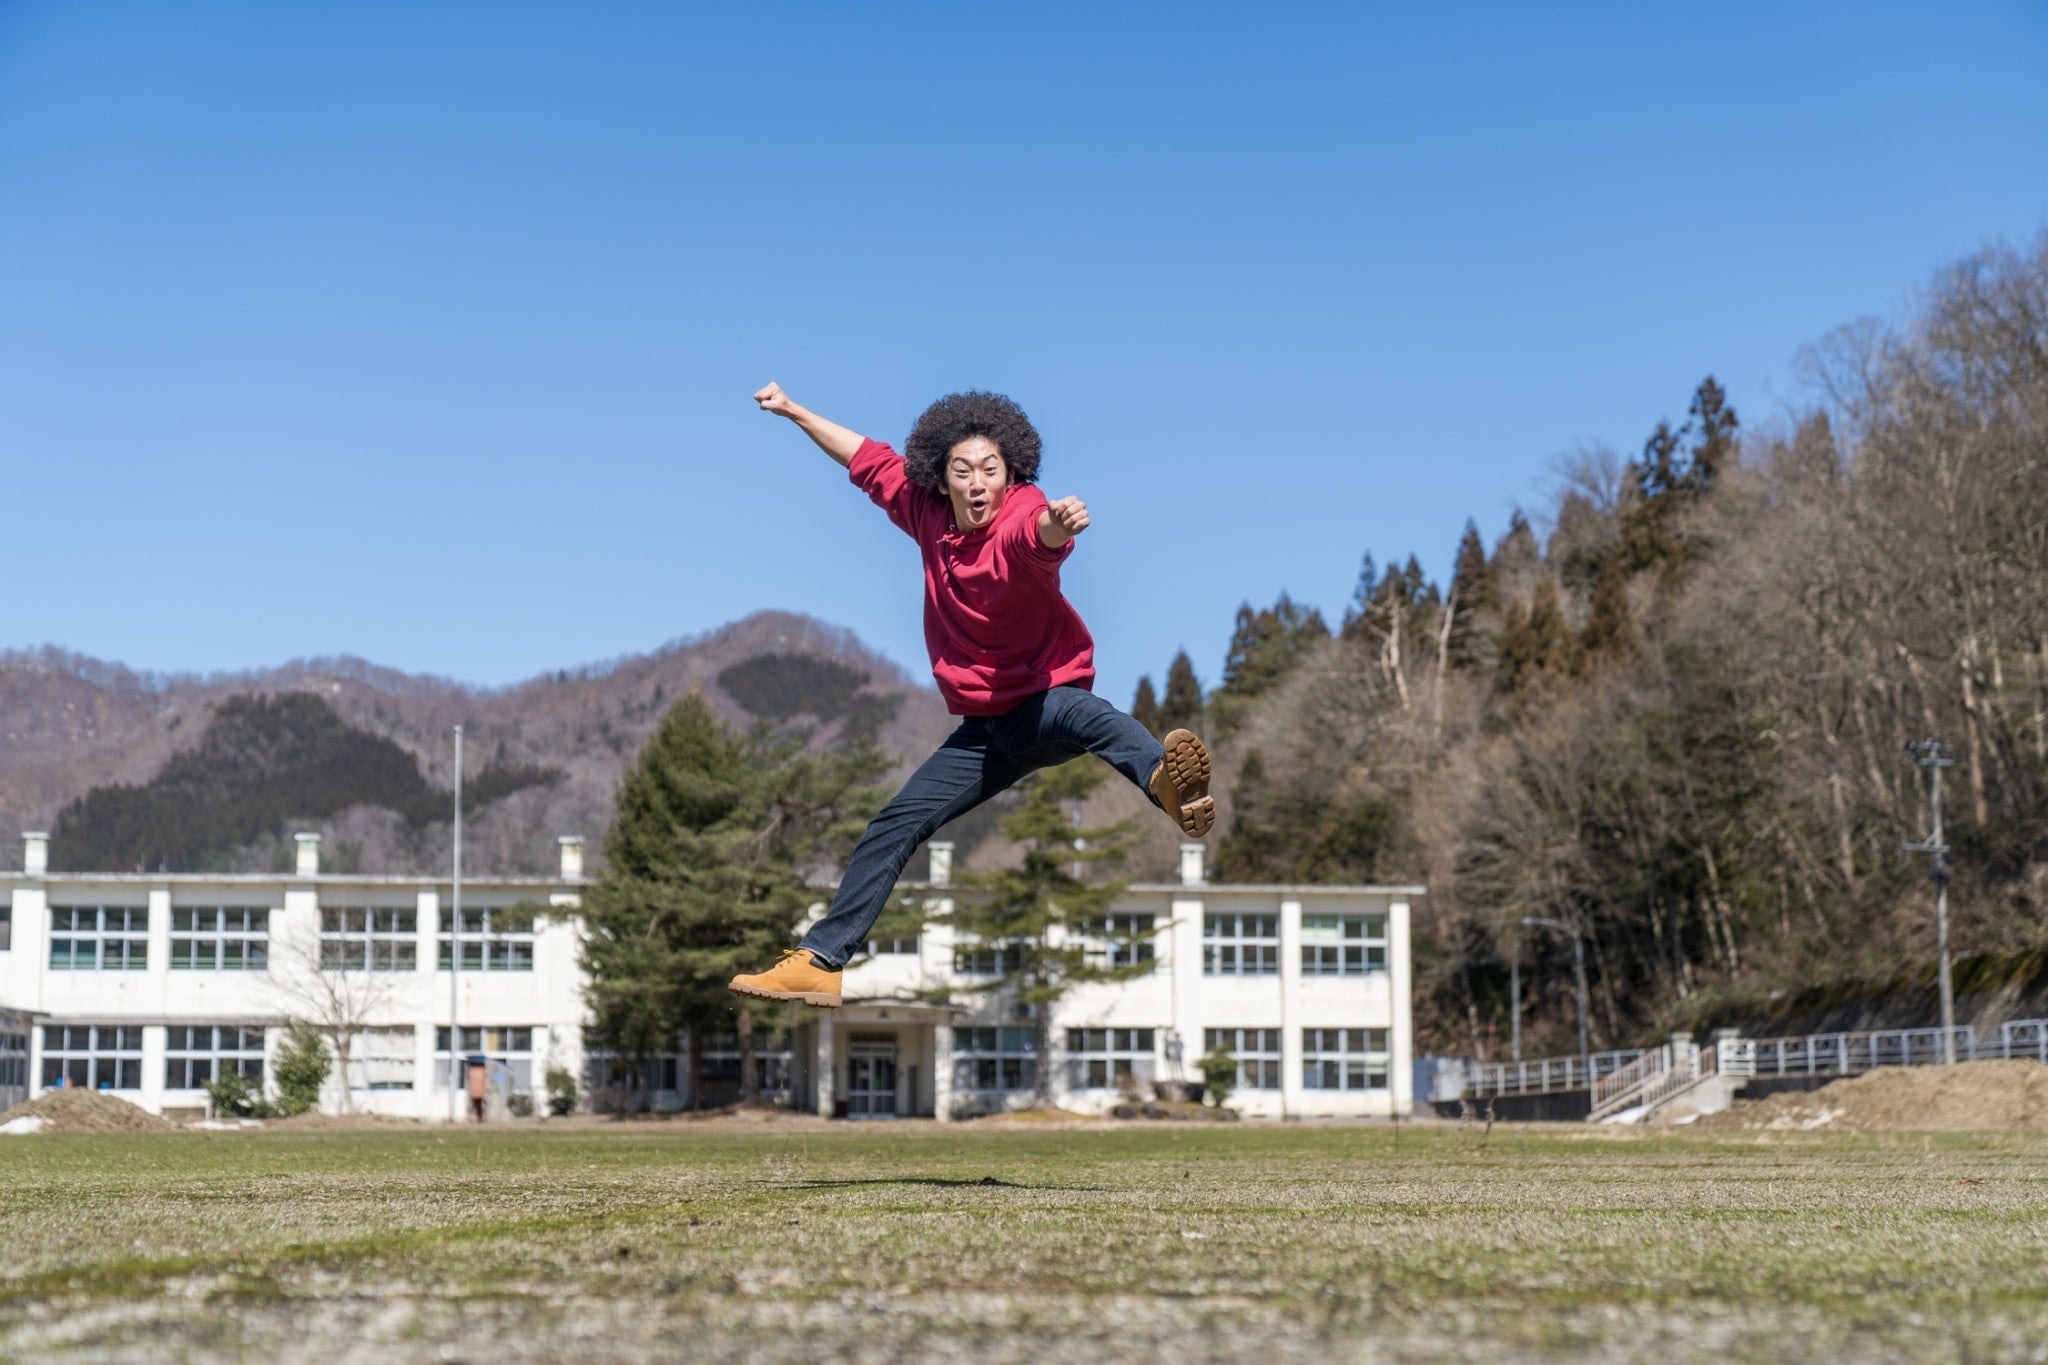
(1174, 1109)
(1967, 1096)
(87, 1111)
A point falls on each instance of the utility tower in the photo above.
(1933, 755)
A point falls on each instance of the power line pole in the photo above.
(455, 1068)
(1933, 755)
(1515, 1003)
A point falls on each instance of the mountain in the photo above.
(88, 746)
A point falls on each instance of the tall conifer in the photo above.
(1181, 707)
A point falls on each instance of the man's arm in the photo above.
(835, 440)
(1061, 521)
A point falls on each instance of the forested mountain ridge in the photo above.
(70, 725)
(1678, 717)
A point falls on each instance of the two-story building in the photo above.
(150, 985)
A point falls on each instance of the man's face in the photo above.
(976, 479)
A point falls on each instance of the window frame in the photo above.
(134, 941)
(516, 947)
(399, 942)
(1219, 948)
(220, 936)
(1346, 1059)
(1103, 1058)
(1010, 1059)
(96, 1051)
(1335, 951)
(180, 1052)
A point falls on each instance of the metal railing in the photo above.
(1620, 1074)
(1484, 1080)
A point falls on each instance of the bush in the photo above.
(561, 1092)
(301, 1069)
(520, 1102)
(1219, 1073)
(235, 1097)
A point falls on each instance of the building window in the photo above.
(1344, 1058)
(771, 1061)
(1098, 1058)
(1124, 940)
(6, 933)
(1257, 1051)
(220, 938)
(99, 938)
(13, 1060)
(876, 947)
(93, 1056)
(494, 939)
(1343, 945)
(604, 1069)
(995, 1059)
(197, 1053)
(383, 1059)
(1240, 945)
(507, 1054)
(992, 961)
(374, 938)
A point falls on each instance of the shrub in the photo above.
(561, 1091)
(301, 1069)
(233, 1096)
(520, 1102)
(1219, 1073)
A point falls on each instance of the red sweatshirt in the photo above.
(996, 626)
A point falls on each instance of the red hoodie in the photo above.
(996, 626)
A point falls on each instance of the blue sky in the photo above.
(425, 333)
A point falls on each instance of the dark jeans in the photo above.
(985, 756)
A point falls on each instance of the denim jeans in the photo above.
(985, 756)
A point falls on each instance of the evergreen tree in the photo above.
(1610, 625)
(1181, 707)
(1046, 926)
(1145, 706)
(1254, 849)
(1265, 647)
(1536, 644)
(1473, 595)
(1672, 476)
(705, 876)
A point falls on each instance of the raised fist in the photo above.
(1069, 514)
(773, 399)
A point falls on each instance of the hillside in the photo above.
(70, 725)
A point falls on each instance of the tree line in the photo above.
(1672, 708)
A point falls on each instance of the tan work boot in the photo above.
(1181, 783)
(796, 975)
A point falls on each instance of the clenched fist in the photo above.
(1069, 515)
(773, 399)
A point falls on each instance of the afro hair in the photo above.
(958, 416)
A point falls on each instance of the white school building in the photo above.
(149, 985)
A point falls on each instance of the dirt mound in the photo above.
(1967, 1096)
(87, 1111)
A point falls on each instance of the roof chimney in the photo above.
(309, 854)
(35, 852)
(1191, 865)
(942, 863)
(572, 857)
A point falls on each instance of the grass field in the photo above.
(920, 1242)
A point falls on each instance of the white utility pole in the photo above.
(1933, 755)
(455, 1076)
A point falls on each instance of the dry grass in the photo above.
(921, 1242)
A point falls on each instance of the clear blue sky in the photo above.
(425, 332)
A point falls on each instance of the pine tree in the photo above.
(1047, 926)
(1610, 629)
(705, 875)
(1536, 644)
(1145, 706)
(1181, 707)
(1472, 595)
(1254, 849)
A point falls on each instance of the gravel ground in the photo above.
(860, 1243)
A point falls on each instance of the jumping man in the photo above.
(1009, 653)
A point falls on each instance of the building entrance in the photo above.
(871, 1076)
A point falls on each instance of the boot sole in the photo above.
(818, 998)
(1186, 767)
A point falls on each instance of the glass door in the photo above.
(871, 1076)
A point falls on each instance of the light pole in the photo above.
(1579, 964)
(1933, 755)
(1515, 1003)
(455, 1076)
